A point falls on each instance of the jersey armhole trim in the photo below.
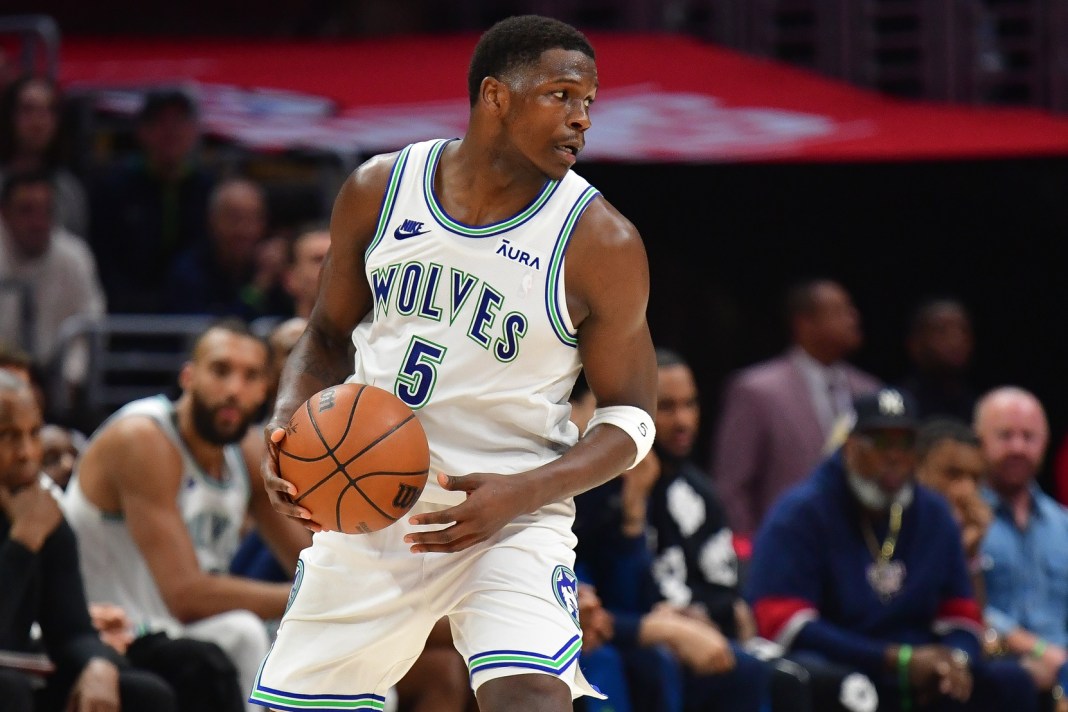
(389, 200)
(554, 286)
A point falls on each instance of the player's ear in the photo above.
(494, 95)
(185, 376)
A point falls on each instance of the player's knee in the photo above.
(524, 693)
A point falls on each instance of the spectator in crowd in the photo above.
(302, 276)
(57, 267)
(149, 208)
(160, 546)
(61, 447)
(940, 345)
(1025, 551)
(30, 141)
(777, 416)
(41, 584)
(239, 270)
(950, 462)
(676, 655)
(859, 568)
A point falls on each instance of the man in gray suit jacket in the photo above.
(778, 415)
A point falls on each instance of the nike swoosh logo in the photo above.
(404, 234)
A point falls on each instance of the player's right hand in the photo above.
(280, 491)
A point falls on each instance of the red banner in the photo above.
(664, 98)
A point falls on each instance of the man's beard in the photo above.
(873, 497)
(204, 424)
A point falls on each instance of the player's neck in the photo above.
(208, 455)
(479, 185)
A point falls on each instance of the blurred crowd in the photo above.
(842, 543)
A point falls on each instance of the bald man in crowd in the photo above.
(1025, 551)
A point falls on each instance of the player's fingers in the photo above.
(445, 516)
(452, 546)
(456, 483)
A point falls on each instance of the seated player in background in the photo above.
(160, 495)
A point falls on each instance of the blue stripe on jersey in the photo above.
(388, 200)
(553, 308)
(460, 228)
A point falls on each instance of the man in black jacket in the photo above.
(39, 570)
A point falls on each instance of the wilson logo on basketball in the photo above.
(405, 496)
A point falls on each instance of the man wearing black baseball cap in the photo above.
(859, 570)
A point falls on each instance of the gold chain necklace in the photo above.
(886, 577)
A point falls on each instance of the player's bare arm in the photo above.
(608, 289)
(114, 467)
(321, 356)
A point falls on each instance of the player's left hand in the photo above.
(492, 501)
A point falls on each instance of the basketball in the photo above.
(358, 457)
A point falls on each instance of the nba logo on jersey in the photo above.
(565, 586)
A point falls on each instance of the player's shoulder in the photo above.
(373, 175)
(130, 437)
(605, 226)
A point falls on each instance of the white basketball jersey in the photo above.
(470, 325)
(213, 511)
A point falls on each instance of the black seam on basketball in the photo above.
(374, 442)
(319, 433)
(352, 412)
(317, 485)
(352, 484)
(355, 484)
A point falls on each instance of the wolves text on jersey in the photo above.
(414, 289)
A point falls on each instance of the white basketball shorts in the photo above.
(363, 605)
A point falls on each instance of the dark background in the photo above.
(725, 241)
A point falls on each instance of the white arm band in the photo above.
(635, 422)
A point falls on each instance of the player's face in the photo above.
(953, 468)
(677, 410)
(1014, 435)
(550, 109)
(20, 439)
(227, 383)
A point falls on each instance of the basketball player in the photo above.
(161, 492)
(475, 278)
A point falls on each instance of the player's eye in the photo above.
(560, 94)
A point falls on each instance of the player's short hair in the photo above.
(518, 41)
(938, 430)
(233, 325)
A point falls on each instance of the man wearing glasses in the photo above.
(861, 570)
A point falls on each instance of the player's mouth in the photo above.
(570, 151)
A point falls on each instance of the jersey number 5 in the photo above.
(417, 376)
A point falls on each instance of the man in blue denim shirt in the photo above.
(1025, 551)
